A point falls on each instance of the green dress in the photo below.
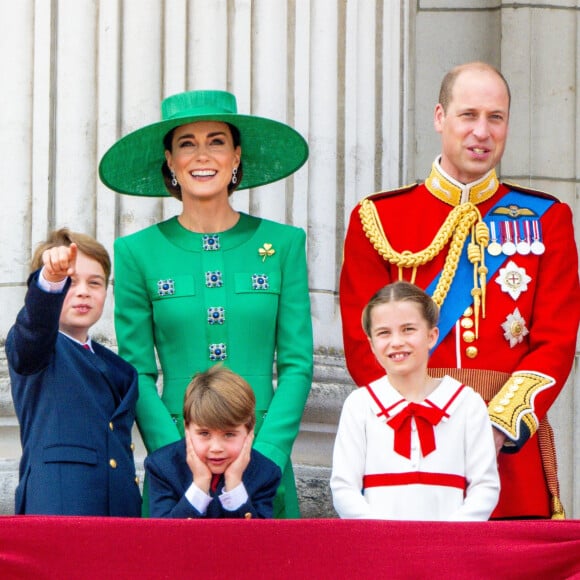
(239, 297)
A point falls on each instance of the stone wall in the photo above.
(358, 79)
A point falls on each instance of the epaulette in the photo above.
(391, 192)
(528, 190)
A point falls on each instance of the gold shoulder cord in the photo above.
(461, 221)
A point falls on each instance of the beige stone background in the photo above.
(358, 78)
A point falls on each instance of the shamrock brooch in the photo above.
(266, 250)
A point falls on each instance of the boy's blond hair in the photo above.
(86, 244)
(219, 398)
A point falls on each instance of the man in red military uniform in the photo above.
(501, 263)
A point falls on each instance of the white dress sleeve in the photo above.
(482, 493)
(348, 462)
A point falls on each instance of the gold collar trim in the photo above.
(450, 191)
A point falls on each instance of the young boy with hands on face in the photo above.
(213, 472)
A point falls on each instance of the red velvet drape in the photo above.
(77, 547)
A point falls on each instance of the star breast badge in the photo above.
(514, 328)
(513, 279)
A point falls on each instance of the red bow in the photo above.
(425, 419)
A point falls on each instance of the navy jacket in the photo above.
(76, 410)
(170, 476)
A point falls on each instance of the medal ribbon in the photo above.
(425, 419)
(458, 299)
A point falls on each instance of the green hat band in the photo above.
(198, 103)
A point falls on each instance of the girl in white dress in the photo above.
(410, 446)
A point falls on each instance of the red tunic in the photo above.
(549, 305)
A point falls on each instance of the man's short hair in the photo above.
(446, 90)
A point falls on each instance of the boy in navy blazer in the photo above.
(74, 399)
(214, 472)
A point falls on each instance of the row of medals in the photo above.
(516, 237)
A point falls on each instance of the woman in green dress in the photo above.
(213, 284)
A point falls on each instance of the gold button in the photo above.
(137, 480)
(248, 515)
(132, 446)
(471, 351)
(113, 463)
(468, 311)
(466, 323)
(111, 426)
(498, 409)
(469, 336)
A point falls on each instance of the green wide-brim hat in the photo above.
(270, 150)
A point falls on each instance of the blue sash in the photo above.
(459, 297)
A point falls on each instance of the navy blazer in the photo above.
(170, 477)
(76, 410)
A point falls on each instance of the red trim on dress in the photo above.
(453, 397)
(420, 477)
(384, 411)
